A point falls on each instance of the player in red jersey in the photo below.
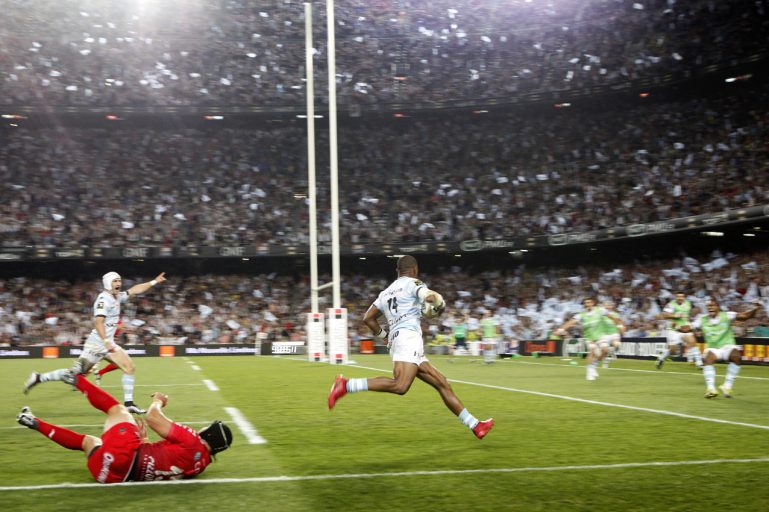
(123, 453)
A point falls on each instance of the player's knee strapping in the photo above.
(82, 366)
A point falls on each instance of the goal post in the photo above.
(338, 344)
(316, 337)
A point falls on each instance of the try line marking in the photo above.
(210, 385)
(245, 426)
(265, 479)
(597, 402)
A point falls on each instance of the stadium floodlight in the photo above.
(712, 233)
(733, 79)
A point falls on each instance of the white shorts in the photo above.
(675, 337)
(604, 341)
(94, 349)
(407, 346)
(721, 353)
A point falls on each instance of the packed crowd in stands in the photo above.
(439, 179)
(529, 302)
(138, 53)
(403, 180)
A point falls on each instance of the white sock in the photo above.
(468, 419)
(53, 375)
(128, 387)
(695, 354)
(664, 355)
(355, 385)
(731, 373)
(709, 372)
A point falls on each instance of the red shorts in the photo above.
(111, 462)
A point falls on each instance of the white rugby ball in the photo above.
(430, 311)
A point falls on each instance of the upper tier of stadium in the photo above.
(238, 53)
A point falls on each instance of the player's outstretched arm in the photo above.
(562, 330)
(745, 315)
(143, 287)
(155, 417)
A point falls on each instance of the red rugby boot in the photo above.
(338, 390)
(483, 428)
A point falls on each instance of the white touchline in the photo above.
(638, 370)
(195, 367)
(621, 406)
(153, 386)
(245, 426)
(101, 425)
(344, 476)
(210, 385)
(596, 402)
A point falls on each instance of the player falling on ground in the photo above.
(123, 452)
(400, 304)
(720, 345)
(593, 321)
(100, 343)
(679, 332)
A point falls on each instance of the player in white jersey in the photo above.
(401, 305)
(100, 343)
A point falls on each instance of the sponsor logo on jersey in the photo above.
(106, 461)
(149, 468)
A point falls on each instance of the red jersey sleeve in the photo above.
(181, 454)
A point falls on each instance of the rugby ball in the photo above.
(430, 311)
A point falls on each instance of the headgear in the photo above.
(108, 278)
(218, 436)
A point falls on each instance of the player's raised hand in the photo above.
(161, 397)
(160, 278)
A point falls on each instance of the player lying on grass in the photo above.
(401, 305)
(123, 453)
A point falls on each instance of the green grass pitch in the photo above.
(635, 439)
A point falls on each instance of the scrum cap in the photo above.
(218, 436)
(108, 278)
